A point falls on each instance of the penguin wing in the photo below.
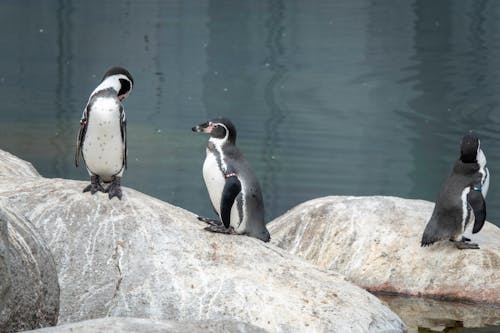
(81, 135)
(123, 128)
(476, 201)
(232, 188)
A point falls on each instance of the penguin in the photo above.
(461, 201)
(102, 139)
(232, 186)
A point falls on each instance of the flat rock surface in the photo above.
(29, 292)
(132, 325)
(375, 243)
(141, 257)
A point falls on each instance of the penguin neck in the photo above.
(465, 168)
(220, 143)
(112, 82)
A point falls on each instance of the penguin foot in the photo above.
(465, 246)
(221, 229)
(115, 190)
(209, 221)
(95, 185)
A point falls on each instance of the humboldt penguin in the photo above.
(102, 139)
(231, 183)
(461, 201)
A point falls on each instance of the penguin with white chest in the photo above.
(232, 185)
(461, 201)
(102, 139)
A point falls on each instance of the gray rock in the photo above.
(12, 166)
(375, 243)
(29, 292)
(141, 257)
(130, 325)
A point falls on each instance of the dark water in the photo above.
(329, 97)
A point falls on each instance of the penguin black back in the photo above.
(460, 200)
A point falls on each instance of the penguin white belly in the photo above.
(103, 146)
(214, 180)
(485, 181)
(467, 215)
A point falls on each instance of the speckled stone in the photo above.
(29, 292)
(128, 325)
(141, 257)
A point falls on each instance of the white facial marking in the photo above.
(112, 81)
(218, 143)
(483, 170)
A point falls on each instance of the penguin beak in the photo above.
(123, 96)
(205, 128)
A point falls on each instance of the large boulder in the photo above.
(141, 257)
(128, 325)
(375, 243)
(29, 292)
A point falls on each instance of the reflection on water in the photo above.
(427, 315)
(329, 97)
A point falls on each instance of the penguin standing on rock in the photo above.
(232, 185)
(102, 139)
(461, 201)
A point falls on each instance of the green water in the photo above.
(329, 97)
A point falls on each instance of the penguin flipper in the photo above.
(231, 190)
(123, 129)
(81, 136)
(476, 201)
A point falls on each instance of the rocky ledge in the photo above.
(141, 257)
(375, 243)
(29, 292)
(127, 325)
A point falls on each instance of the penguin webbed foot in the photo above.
(210, 221)
(463, 245)
(221, 229)
(94, 186)
(115, 190)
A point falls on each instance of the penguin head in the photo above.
(469, 149)
(219, 128)
(119, 79)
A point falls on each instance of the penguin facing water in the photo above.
(102, 139)
(232, 185)
(461, 201)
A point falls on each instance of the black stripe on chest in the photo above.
(213, 150)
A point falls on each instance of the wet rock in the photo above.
(141, 257)
(375, 243)
(127, 325)
(29, 292)
(440, 316)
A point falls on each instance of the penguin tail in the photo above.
(426, 241)
(428, 238)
